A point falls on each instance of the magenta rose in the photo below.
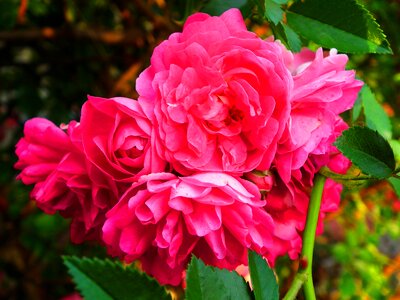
(163, 219)
(287, 203)
(323, 89)
(116, 137)
(218, 94)
(65, 181)
(40, 150)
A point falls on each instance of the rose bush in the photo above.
(217, 156)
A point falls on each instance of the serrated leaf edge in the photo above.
(72, 260)
(383, 51)
(104, 262)
(373, 20)
(378, 134)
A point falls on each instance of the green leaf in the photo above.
(103, 279)
(395, 144)
(217, 7)
(368, 150)
(342, 24)
(209, 283)
(262, 278)
(273, 11)
(395, 182)
(293, 39)
(375, 116)
(357, 107)
(287, 36)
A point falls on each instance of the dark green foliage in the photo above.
(273, 12)
(217, 7)
(368, 150)
(8, 13)
(262, 278)
(103, 279)
(209, 283)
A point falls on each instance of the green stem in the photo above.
(304, 274)
(297, 283)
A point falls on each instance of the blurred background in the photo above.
(55, 52)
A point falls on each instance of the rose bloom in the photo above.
(116, 137)
(218, 96)
(65, 181)
(323, 89)
(163, 219)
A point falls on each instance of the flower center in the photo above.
(234, 114)
(131, 148)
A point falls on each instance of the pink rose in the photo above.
(323, 89)
(64, 180)
(116, 137)
(40, 150)
(218, 94)
(163, 219)
(288, 202)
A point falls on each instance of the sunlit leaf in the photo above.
(395, 182)
(375, 116)
(342, 24)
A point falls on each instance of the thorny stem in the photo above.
(304, 273)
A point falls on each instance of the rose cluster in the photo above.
(215, 157)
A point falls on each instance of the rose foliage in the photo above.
(215, 157)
